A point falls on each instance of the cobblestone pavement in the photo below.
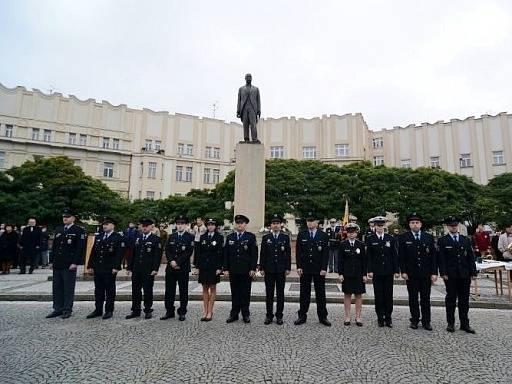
(38, 350)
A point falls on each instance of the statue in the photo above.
(249, 109)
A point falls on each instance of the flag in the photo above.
(345, 216)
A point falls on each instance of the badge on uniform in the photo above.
(319, 247)
(388, 244)
(282, 247)
(122, 244)
(137, 241)
(58, 235)
(203, 242)
(408, 242)
(111, 249)
(70, 241)
(183, 247)
(231, 242)
(214, 243)
(148, 249)
(269, 241)
(427, 249)
(358, 251)
(246, 247)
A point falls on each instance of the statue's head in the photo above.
(248, 78)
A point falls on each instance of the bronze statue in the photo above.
(249, 109)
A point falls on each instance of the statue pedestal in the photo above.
(250, 184)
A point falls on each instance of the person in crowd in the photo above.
(208, 259)
(498, 255)
(30, 244)
(353, 272)
(45, 251)
(130, 234)
(334, 233)
(504, 242)
(482, 241)
(8, 248)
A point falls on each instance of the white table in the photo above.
(496, 268)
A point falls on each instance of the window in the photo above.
(216, 153)
(83, 139)
(206, 176)
(434, 162)
(185, 149)
(141, 169)
(149, 145)
(108, 170)
(106, 142)
(308, 152)
(497, 158)
(151, 170)
(179, 173)
(77, 162)
(378, 142)
(341, 150)
(47, 135)
(158, 145)
(115, 143)
(72, 138)
(8, 130)
(188, 174)
(35, 133)
(276, 152)
(150, 195)
(406, 163)
(378, 160)
(465, 160)
(216, 176)
(2, 159)
(212, 152)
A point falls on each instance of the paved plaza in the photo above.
(39, 350)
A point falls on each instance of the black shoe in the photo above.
(427, 326)
(94, 314)
(246, 320)
(168, 315)
(299, 321)
(148, 315)
(133, 315)
(388, 323)
(21, 273)
(325, 322)
(181, 318)
(468, 329)
(54, 314)
(381, 323)
(204, 318)
(107, 315)
(65, 315)
(450, 328)
(346, 323)
(359, 324)
(231, 319)
(279, 321)
(414, 325)
(267, 321)
(30, 271)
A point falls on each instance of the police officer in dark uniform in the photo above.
(418, 264)
(178, 251)
(144, 267)
(275, 265)
(334, 233)
(312, 255)
(457, 268)
(104, 262)
(240, 261)
(68, 250)
(382, 254)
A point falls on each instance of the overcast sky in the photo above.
(396, 62)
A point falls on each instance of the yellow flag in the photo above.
(345, 216)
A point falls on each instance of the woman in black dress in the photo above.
(352, 267)
(8, 248)
(208, 261)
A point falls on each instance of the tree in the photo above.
(499, 191)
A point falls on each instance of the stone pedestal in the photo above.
(250, 184)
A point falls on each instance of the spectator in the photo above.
(45, 252)
(130, 234)
(482, 241)
(30, 245)
(8, 248)
(504, 243)
(494, 244)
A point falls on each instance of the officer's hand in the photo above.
(252, 273)
(323, 273)
(173, 264)
(286, 273)
(299, 272)
(218, 272)
(195, 271)
(128, 273)
(405, 276)
(72, 267)
(262, 273)
(90, 271)
(37, 246)
(433, 278)
(114, 271)
(397, 275)
(370, 275)
(365, 279)
(154, 273)
(226, 273)
(238, 115)
(472, 277)
(341, 278)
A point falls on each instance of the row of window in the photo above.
(309, 152)
(464, 161)
(73, 139)
(210, 176)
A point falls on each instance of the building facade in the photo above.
(147, 154)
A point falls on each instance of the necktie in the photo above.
(312, 235)
(145, 237)
(238, 236)
(380, 238)
(417, 235)
(105, 236)
(455, 238)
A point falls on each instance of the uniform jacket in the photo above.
(382, 255)
(275, 254)
(107, 254)
(147, 254)
(240, 256)
(334, 236)
(179, 249)
(456, 259)
(352, 260)
(68, 247)
(209, 255)
(312, 255)
(417, 258)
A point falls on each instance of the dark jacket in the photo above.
(147, 255)
(275, 254)
(68, 247)
(352, 259)
(334, 236)
(417, 258)
(45, 237)
(382, 255)
(107, 254)
(9, 247)
(130, 234)
(208, 255)
(30, 242)
(179, 249)
(240, 256)
(312, 255)
(456, 259)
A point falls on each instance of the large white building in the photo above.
(147, 154)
